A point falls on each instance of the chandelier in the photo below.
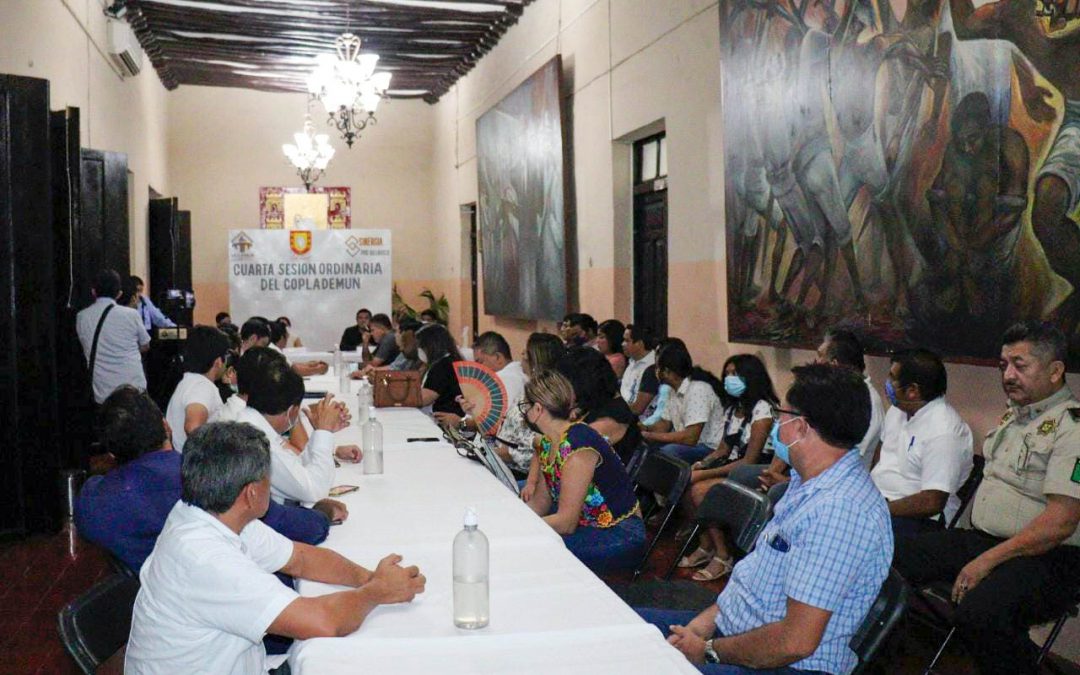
(311, 153)
(348, 86)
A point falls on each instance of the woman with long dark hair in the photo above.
(609, 340)
(439, 387)
(597, 401)
(749, 410)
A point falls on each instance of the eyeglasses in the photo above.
(784, 411)
(524, 407)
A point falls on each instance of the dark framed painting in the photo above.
(906, 168)
(523, 179)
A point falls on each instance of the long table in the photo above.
(549, 613)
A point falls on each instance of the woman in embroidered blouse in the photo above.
(586, 494)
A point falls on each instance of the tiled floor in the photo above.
(41, 574)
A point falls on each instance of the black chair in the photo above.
(736, 508)
(666, 476)
(95, 625)
(883, 616)
(967, 491)
(119, 566)
(636, 460)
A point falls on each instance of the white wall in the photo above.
(64, 41)
(224, 144)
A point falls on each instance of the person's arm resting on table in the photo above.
(341, 613)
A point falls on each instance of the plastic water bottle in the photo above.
(364, 401)
(338, 361)
(371, 444)
(344, 383)
(470, 575)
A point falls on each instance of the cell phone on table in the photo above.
(339, 490)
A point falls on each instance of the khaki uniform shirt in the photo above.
(1034, 452)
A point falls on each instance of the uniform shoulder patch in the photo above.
(1007, 416)
(1047, 427)
(1076, 472)
(1075, 413)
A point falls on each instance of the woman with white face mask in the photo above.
(439, 388)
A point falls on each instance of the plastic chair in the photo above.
(883, 616)
(666, 476)
(738, 509)
(95, 625)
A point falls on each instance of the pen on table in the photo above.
(431, 439)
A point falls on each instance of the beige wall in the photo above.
(224, 144)
(64, 41)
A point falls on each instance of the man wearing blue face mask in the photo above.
(925, 445)
(273, 407)
(794, 603)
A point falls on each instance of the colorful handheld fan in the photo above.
(483, 388)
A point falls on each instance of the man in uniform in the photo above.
(1017, 566)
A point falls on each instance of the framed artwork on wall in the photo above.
(911, 171)
(296, 208)
(523, 178)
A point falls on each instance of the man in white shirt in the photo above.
(692, 424)
(273, 407)
(279, 340)
(208, 591)
(926, 447)
(196, 398)
(639, 383)
(254, 333)
(121, 342)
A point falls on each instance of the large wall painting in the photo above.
(522, 180)
(910, 168)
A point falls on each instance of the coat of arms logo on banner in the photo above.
(300, 241)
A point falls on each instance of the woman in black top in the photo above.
(597, 400)
(439, 387)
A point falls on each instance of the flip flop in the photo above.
(696, 559)
(717, 568)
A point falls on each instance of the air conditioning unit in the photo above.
(124, 49)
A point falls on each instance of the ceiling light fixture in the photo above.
(311, 153)
(348, 86)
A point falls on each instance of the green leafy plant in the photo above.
(440, 305)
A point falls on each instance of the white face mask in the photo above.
(422, 355)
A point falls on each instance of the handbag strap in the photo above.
(97, 334)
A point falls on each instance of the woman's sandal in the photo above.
(717, 568)
(696, 559)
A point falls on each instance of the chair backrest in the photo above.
(884, 614)
(96, 624)
(636, 460)
(967, 490)
(737, 508)
(664, 475)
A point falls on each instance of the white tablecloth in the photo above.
(549, 613)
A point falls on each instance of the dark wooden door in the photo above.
(103, 224)
(468, 220)
(74, 398)
(183, 251)
(28, 412)
(651, 262)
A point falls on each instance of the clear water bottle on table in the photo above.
(471, 575)
(371, 443)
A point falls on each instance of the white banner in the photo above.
(317, 278)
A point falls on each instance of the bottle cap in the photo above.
(371, 412)
(471, 519)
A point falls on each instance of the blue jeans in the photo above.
(609, 549)
(665, 618)
(687, 453)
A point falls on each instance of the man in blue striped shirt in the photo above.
(794, 603)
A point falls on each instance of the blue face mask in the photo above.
(781, 449)
(890, 391)
(734, 385)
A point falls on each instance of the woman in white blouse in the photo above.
(749, 408)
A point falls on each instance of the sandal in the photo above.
(717, 568)
(696, 559)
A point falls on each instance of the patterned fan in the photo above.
(483, 388)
